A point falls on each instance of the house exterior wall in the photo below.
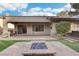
(1, 26)
(53, 29)
(1, 22)
(49, 26)
(29, 22)
(30, 28)
(74, 26)
(4, 26)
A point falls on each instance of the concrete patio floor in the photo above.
(34, 38)
(18, 48)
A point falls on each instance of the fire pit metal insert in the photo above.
(39, 45)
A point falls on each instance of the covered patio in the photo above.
(74, 24)
(44, 26)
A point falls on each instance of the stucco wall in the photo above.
(31, 32)
(53, 29)
(1, 25)
(9, 25)
(49, 27)
(74, 26)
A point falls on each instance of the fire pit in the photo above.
(40, 49)
(39, 46)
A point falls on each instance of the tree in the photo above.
(62, 13)
(75, 6)
(71, 13)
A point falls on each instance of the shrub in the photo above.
(62, 27)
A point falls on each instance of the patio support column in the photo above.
(16, 29)
(5, 28)
(53, 29)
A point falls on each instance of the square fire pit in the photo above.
(39, 46)
(40, 49)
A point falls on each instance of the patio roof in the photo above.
(71, 19)
(53, 18)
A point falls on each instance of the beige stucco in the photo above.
(31, 32)
(53, 29)
(10, 25)
(29, 21)
(1, 22)
(49, 26)
(4, 26)
(74, 26)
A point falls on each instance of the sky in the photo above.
(33, 9)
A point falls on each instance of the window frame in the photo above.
(40, 28)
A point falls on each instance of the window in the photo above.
(37, 28)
